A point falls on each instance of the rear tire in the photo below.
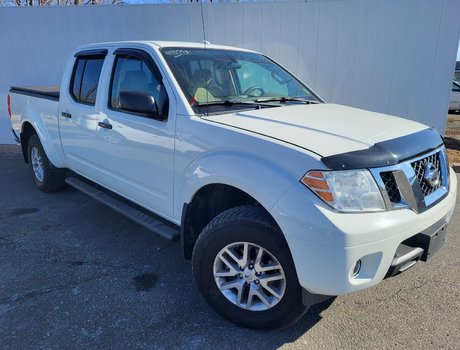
(266, 292)
(46, 176)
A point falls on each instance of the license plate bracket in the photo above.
(431, 239)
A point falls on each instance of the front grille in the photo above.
(419, 168)
(405, 185)
(391, 186)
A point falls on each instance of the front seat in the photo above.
(201, 79)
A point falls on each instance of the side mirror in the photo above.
(138, 102)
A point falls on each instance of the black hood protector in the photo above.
(385, 153)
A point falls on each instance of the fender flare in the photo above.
(261, 179)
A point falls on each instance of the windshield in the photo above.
(224, 78)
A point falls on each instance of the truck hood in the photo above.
(325, 129)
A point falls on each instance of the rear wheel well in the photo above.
(207, 203)
(27, 131)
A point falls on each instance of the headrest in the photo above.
(202, 77)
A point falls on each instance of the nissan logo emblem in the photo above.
(432, 175)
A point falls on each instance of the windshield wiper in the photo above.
(225, 103)
(286, 99)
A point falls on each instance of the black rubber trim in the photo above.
(92, 52)
(39, 92)
(24, 148)
(15, 136)
(187, 240)
(386, 153)
(310, 299)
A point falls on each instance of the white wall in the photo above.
(391, 56)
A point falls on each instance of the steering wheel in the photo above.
(252, 91)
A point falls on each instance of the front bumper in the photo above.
(326, 245)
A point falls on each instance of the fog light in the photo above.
(357, 268)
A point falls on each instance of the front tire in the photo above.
(46, 176)
(244, 270)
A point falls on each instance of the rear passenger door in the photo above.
(136, 149)
(79, 114)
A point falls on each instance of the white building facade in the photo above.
(363, 53)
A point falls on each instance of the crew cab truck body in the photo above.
(279, 198)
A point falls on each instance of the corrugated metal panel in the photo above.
(391, 56)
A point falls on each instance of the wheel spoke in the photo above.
(270, 278)
(270, 290)
(269, 267)
(245, 260)
(231, 273)
(239, 297)
(233, 256)
(238, 284)
(262, 297)
(258, 258)
(229, 264)
(250, 297)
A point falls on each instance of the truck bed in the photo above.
(48, 92)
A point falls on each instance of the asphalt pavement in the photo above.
(75, 274)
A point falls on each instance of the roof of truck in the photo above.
(162, 44)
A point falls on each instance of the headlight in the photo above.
(347, 191)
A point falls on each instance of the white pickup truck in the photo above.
(279, 199)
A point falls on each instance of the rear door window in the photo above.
(85, 79)
(78, 74)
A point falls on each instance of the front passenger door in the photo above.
(136, 149)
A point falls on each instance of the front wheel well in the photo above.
(27, 131)
(207, 203)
